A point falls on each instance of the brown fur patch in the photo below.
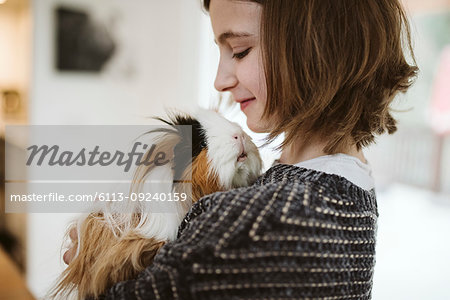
(105, 259)
(201, 183)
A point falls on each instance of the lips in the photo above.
(245, 100)
(244, 103)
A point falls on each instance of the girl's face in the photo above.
(236, 29)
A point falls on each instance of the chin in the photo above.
(257, 127)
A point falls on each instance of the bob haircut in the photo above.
(333, 68)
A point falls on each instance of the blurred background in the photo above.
(117, 62)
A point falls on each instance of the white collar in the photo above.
(343, 165)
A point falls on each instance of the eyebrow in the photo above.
(230, 34)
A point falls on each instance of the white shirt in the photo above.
(343, 165)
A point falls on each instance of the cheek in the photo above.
(251, 75)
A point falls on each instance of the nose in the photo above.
(225, 77)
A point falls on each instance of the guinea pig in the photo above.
(209, 154)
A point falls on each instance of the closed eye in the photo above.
(242, 54)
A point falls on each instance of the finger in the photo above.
(69, 254)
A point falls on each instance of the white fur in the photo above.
(159, 219)
(223, 150)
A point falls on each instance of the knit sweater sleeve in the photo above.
(285, 238)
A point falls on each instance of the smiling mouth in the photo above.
(242, 156)
(245, 101)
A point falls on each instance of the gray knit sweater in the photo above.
(294, 234)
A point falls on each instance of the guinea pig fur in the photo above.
(113, 246)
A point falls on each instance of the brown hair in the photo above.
(333, 68)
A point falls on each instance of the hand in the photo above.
(70, 253)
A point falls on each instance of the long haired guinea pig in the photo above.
(114, 246)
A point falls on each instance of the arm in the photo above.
(284, 239)
(174, 272)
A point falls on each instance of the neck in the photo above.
(302, 150)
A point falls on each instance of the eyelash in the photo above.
(242, 54)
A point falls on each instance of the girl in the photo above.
(323, 73)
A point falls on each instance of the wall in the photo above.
(157, 66)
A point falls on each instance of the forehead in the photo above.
(234, 16)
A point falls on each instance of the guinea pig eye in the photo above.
(203, 144)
